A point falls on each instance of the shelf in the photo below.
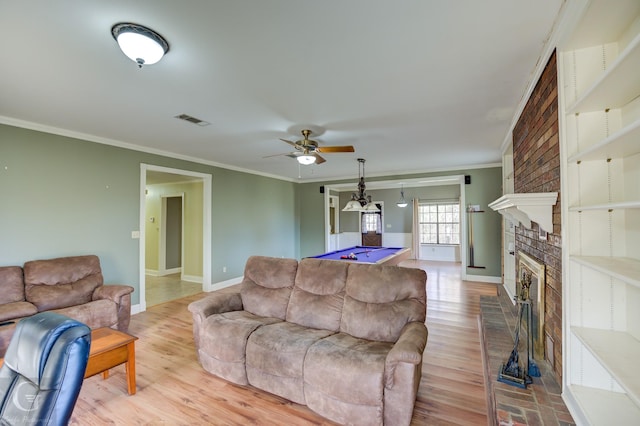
(522, 208)
(621, 268)
(623, 143)
(607, 206)
(618, 352)
(601, 407)
(607, 91)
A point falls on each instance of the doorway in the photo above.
(171, 234)
(371, 227)
(176, 218)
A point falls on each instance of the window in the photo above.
(439, 223)
(370, 222)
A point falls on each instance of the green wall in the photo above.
(63, 196)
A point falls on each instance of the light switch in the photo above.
(135, 234)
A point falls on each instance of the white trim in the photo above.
(164, 272)
(120, 144)
(401, 173)
(227, 283)
(206, 225)
(191, 279)
(483, 278)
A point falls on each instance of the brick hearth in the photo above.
(540, 403)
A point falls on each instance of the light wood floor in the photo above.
(167, 288)
(172, 388)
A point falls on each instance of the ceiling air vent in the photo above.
(190, 119)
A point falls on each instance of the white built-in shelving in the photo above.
(599, 115)
(508, 226)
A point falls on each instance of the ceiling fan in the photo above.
(307, 150)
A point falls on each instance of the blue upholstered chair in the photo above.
(43, 370)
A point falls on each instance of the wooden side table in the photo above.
(110, 348)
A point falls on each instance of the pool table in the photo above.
(373, 255)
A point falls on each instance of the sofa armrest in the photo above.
(216, 303)
(121, 296)
(112, 291)
(408, 349)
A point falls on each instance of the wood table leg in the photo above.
(130, 368)
(105, 374)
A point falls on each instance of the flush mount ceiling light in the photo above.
(402, 202)
(141, 44)
(360, 202)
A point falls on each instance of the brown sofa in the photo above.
(345, 339)
(72, 286)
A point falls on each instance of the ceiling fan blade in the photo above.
(319, 160)
(276, 155)
(293, 144)
(329, 149)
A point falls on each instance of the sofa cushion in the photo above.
(267, 285)
(377, 307)
(223, 342)
(275, 358)
(11, 284)
(59, 283)
(96, 314)
(318, 294)
(344, 379)
(14, 310)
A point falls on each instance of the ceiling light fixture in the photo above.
(141, 44)
(306, 158)
(402, 202)
(360, 202)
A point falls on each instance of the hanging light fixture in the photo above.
(402, 202)
(360, 202)
(141, 44)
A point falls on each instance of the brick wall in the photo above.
(536, 158)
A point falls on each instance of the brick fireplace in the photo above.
(536, 161)
(536, 169)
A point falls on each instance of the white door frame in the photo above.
(206, 225)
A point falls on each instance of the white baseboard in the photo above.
(224, 284)
(170, 271)
(162, 273)
(484, 279)
(192, 279)
(136, 309)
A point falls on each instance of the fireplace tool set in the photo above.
(511, 372)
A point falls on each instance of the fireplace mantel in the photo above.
(526, 207)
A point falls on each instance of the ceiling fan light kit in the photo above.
(360, 201)
(306, 159)
(140, 44)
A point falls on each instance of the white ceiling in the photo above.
(413, 85)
